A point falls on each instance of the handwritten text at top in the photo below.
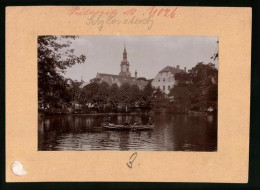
(152, 11)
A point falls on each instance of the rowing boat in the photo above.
(129, 127)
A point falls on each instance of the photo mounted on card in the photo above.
(145, 94)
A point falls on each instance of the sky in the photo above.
(146, 54)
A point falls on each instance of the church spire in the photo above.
(125, 53)
(125, 65)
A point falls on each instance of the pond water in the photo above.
(172, 132)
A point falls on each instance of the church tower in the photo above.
(125, 65)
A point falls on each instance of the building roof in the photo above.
(173, 70)
(116, 79)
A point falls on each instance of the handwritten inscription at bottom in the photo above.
(131, 160)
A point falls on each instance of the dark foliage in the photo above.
(54, 56)
(196, 90)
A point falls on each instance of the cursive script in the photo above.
(100, 21)
(83, 11)
(131, 160)
(113, 16)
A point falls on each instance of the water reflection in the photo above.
(171, 133)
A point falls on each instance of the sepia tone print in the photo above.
(154, 93)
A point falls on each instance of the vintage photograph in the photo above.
(147, 93)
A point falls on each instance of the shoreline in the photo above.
(126, 113)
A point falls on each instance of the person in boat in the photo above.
(139, 121)
(107, 120)
(127, 123)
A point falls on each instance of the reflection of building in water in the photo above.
(124, 75)
(165, 78)
(89, 121)
(77, 121)
(119, 119)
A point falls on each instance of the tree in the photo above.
(75, 92)
(114, 95)
(148, 94)
(197, 89)
(160, 101)
(204, 78)
(125, 95)
(182, 78)
(103, 94)
(54, 56)
(136, 94)
(184, 96)
(215, 55)
(90, 92)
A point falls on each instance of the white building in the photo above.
(165, 78)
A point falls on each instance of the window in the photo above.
(163, 79)
(158, 79)
(169, 88)
(163, 88)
